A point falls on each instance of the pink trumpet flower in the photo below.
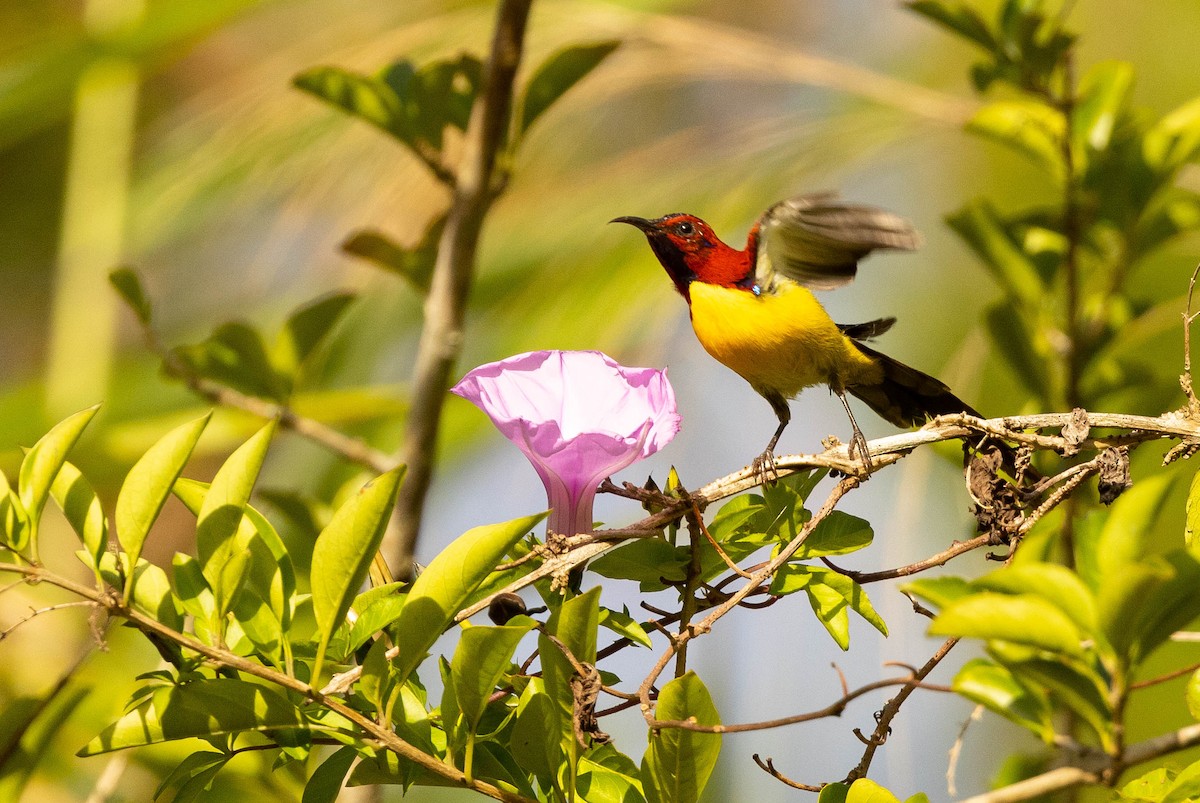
(578, 416)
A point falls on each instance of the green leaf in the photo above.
(1054, 583)
(481, 658)
(1186, 786)
(537, 734)
(938, 591)
(1029, 127)
(344, 551)
(1103, 95)
(235, 355)
(327, 780)
(1019, 345)
(28, 726)
(864, 790)
(414, 265)
(600, 783)
(1024, 619)
(14, 521)
(149, 482)
(646, 560)
(129, 286)
(958, 18)
(678, 763)
(192, 775)
(557, 74)
(833, 793)
(837, 534)
(220, 536)
(1123, 597)
(305, 329)
(621, 623)
(831, 595)
(1077, 687)
(1169, 606)
(1193, 512)
(999, 690)
(980, 225)
(375, 616)
(369, 99)
(79, 503)
(575, 625)
(42, 462)
(1151, 787)
(1192, 695)
(198, 709)
(444, 587)
(1175, 139)
(1128, 531)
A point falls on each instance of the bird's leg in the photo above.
(858, 441)
(764, 464)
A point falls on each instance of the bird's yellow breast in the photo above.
(781, 342)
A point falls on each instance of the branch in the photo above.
(386, 737)
(454, 271)
(1090, 771)
(883, 721)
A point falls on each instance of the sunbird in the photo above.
(754, 310)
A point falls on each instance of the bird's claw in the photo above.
(764, 468)
(858, 445)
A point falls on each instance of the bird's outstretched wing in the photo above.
(817, 240)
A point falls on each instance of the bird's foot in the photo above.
(764, 468)
(858, 445)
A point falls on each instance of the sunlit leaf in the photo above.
(481, 658)
(1103, 94)
(196, 709)
(1019, 618)
(79, 503)
(992, 685)
(42, 462)
(837, 534)
(1054, 583)
(537, 735)
(149, 482)
(1028, 126)
(621, 623)
(864, 790)
(344, 551)
(678, 762)
(220, 536)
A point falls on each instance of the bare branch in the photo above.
(454, 271)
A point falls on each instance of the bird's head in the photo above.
(690, 251)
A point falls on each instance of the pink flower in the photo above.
(578, 416)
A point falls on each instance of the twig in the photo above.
(386, 738)
(956, 750)
(454, 271)
(785, 554)
(1185, 380)
(883, 723)
(768, 767)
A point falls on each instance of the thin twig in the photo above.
(768, 767)
(883, 722)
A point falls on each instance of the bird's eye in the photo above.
(685, 228)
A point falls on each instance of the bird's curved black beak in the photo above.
(640, 222)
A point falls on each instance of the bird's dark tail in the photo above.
(906, 397)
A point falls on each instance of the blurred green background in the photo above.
(166, 135)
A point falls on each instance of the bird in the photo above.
(754, 309)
